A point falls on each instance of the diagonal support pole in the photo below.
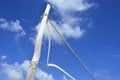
(37, 50)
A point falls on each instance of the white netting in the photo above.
(62, 56)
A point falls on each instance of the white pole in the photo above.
(37, 50)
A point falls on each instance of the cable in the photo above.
(74, 53)
(49, 44)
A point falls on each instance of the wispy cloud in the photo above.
(12, 26)
(43, 75)
(69, 5)
(69, 23)
(17, 71)
(3, 57)
(65, 78)
(105, 75)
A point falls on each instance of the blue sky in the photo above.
(90, 26)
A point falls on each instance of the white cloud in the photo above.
(12, 72)
(3, 57)
(65, 78)
(68, 31)
(73, 32)
(69, 25)
(105, 75)
(65, 29)
(12, 26)
(17, 71)
(33, 37)
(69, 5)
(43, 75)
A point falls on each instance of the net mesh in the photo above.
(61, 55)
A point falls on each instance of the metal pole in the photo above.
(37, 50)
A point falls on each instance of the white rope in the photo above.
(53, 65)
(49, 44)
